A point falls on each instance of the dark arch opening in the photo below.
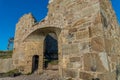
(35, 62)
(50, 52)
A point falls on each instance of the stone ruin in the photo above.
(88, 37)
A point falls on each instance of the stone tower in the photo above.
(88, 39)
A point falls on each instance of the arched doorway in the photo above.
(37, 44)
(35, 62)
(50, 52)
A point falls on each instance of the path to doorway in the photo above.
(47, 75)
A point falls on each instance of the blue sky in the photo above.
(116, 7)
(12, 10)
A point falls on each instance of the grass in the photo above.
(54, 62)
(11, 73)
(6, 54)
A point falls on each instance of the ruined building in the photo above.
(87, 34)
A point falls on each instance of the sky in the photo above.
(12, 10)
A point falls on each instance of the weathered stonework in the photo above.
(88, 38)
(6, 65)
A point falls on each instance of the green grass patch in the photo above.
(54, 62)
(5, 54)
(11, 73)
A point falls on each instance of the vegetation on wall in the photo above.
(12, 73)
(6, 54)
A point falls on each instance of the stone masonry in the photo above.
(5, 65)
(88, 38)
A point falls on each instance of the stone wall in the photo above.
(111, 34)
(6, 65)
(88, 39)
